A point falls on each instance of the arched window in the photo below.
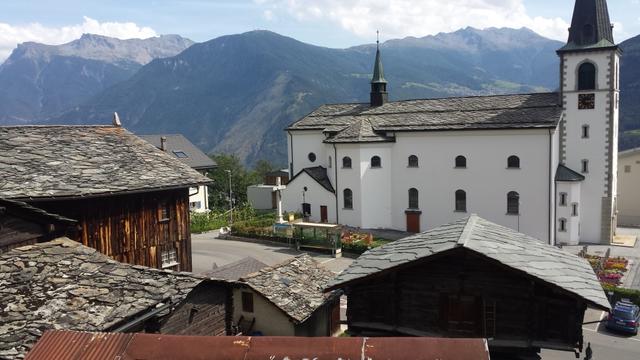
(311, 157)
(563, 225)
(413, 161)
(513, 203)
(461, 201)
(413, 199)
(346, 162)
(376, 162)
(461, 162)
(513, 162)
(587, 76)
(348, 198)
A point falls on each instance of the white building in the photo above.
(543, 164)
(183, 149)
(629, 187)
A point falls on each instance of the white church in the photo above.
(544, 164)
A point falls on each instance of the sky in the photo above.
(330, 23)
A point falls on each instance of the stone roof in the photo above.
(236, 270)
(565, 174)
(183, 149)
(319, 174)
(515, 250)
(294, 286)
(523, 111)
(360, 131)
(64, 285)
(593, 13)
(81, 161)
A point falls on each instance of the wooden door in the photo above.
(413, 222)
(324, 217)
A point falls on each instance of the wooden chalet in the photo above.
(131, 200)
(472, 278)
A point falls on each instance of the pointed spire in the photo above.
(116, 120)
(378, 83)
(590, 27)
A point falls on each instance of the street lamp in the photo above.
(230, 199)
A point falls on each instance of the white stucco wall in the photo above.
(270, 320)
(199, 202)
(316, 195)
(260, 196)
(305, 142)
(572, 234)
(595, 148)
(376, 186)
(349, 179)
(629, 189)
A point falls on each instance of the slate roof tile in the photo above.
(319, 174)
(178, 143)
(237, 269)
(565, 174)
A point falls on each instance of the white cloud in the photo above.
(11, 35)
(400, 18)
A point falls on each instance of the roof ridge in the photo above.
(439, 111)
(467, 231)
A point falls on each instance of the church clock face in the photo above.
(586, 101)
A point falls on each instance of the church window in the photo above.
(563, 225)
(461, 162)
(563, 199)
(513, 162)
(587, 76)
(574, 209)
(413, 161)
(585, 131)
(348, 198)
(311, 157)
(513, 203)
(585, 166)
(413, 199)
(346, 162)
(461, 201)
(376, 162)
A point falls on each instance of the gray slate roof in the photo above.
(79, 161)
(565, 174)
(65, 285)
(177, 143)
(523, 111)
(518, 251)
(294, 286)
(319, 174)
(236, 270)
(592, 13)
(360, 131)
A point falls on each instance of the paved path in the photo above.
(208, 250)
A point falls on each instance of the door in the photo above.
(413, 221)
(324, 217)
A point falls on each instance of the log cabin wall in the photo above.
(134, 228)
(461, 294)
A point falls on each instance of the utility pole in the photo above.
(230, 200)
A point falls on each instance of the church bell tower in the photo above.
(590, 82)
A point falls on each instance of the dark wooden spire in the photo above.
(591, 26)
(379, 94)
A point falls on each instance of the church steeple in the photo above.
(590, 27)
(379, 95)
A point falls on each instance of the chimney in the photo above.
(163, 143)
(116, 120)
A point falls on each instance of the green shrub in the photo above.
(622, 293)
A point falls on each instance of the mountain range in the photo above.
(237, 93)
(38, 81)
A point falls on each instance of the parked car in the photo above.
(624, 317)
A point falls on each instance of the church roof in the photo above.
(523, 111)
(498, 243)
(590, 27)
(360, 131)
(378, 70)
(319, 174)
(565, 174)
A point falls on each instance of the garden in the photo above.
(611, 271)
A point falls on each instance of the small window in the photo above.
(413, 199)
(461, 162)
(513, 162)
(164, 212)
(627, 168)
(330, 162)
(169, 258)
(587, 76)
(461, 201)
(346, 162)
(585, 131)
(413, 161)
(513, 203)
(376, 162)
(195, 205)
(180, 154)
(563, 199)
(348, 198)
(563, 225)
(247, 302)
(311, 157)
(574, 209)
(585, 166)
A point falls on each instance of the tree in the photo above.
(240, 180)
